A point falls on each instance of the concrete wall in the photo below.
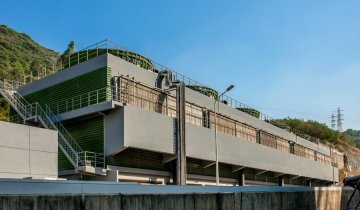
(177, 197)
(27, 151)
(125, 68)
(131, 126)
(200, 144)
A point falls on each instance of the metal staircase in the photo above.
(34, 112)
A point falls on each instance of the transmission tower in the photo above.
(339, 120)
(333, 121)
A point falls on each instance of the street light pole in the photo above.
(216, 143)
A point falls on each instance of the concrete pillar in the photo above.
(281, 181)
(308, 183)
(241, 177)
(174, 163)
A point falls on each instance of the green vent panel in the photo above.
(136, 158)
(89, 134)
(94, 80)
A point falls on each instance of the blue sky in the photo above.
(286, 58)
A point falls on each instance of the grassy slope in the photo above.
(17, 52)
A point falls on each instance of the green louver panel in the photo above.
(94, 80)
(194, 166)
(89, 134)
(136, 158)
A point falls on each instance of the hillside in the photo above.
(18, 55)
(18, 51)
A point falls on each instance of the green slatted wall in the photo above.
(89, 134)
(76, 86)
(136, 158)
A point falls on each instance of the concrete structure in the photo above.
(27, 152)
(133, 125)
(40, 194)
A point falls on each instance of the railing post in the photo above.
(85, 159)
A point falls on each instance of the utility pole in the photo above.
(339, 120)
(333, 121)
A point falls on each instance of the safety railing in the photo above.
(92, 159)
(94, 97)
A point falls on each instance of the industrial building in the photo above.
(122, 117)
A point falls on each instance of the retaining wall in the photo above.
(310, 200)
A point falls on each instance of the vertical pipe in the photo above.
(216, 148)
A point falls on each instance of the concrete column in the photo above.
(241, 177)
(308, 183)
(281, 181)
(174, 163)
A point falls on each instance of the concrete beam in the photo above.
(306, 178)
(167, 158)
(236, 168)
(259, 171)
(277, 174)
(293, 176)
(206, 163)
(316, 180)
(102, 113)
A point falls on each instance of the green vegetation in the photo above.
(19, 54)
(4, 109)
(252, 112)
(354, 135)
(316, 129)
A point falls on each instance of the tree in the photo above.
(68, 51)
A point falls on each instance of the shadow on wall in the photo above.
(345, 195)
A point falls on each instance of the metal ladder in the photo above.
(47, 118)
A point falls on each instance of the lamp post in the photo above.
(216, 143)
